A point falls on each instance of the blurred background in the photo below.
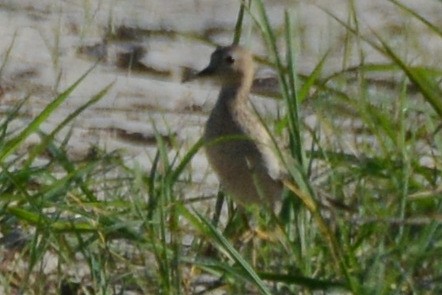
(142, 46)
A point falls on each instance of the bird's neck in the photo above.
(236, 90)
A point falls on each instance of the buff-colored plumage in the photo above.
(238, 147)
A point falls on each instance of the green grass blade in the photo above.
(239, 22)
(422, 78)
(13, 143)
(206, 227)
(432, 27)
(186, 159)
(311, 79)
(7, 54)
(59, 226)
(50, 137)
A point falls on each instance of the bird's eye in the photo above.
(229, 59)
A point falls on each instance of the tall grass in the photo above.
(362, 220)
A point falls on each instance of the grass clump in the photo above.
(362, 212)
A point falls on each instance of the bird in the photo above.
(238, 147)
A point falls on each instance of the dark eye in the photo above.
(229, 59)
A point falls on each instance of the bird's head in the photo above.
(229, 65)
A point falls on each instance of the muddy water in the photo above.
(140, 46)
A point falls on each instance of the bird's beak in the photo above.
(192, 75)
(207, 72)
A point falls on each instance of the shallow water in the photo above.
(143, 45)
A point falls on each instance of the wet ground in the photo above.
(141, 48)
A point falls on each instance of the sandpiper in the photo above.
(238, 146)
